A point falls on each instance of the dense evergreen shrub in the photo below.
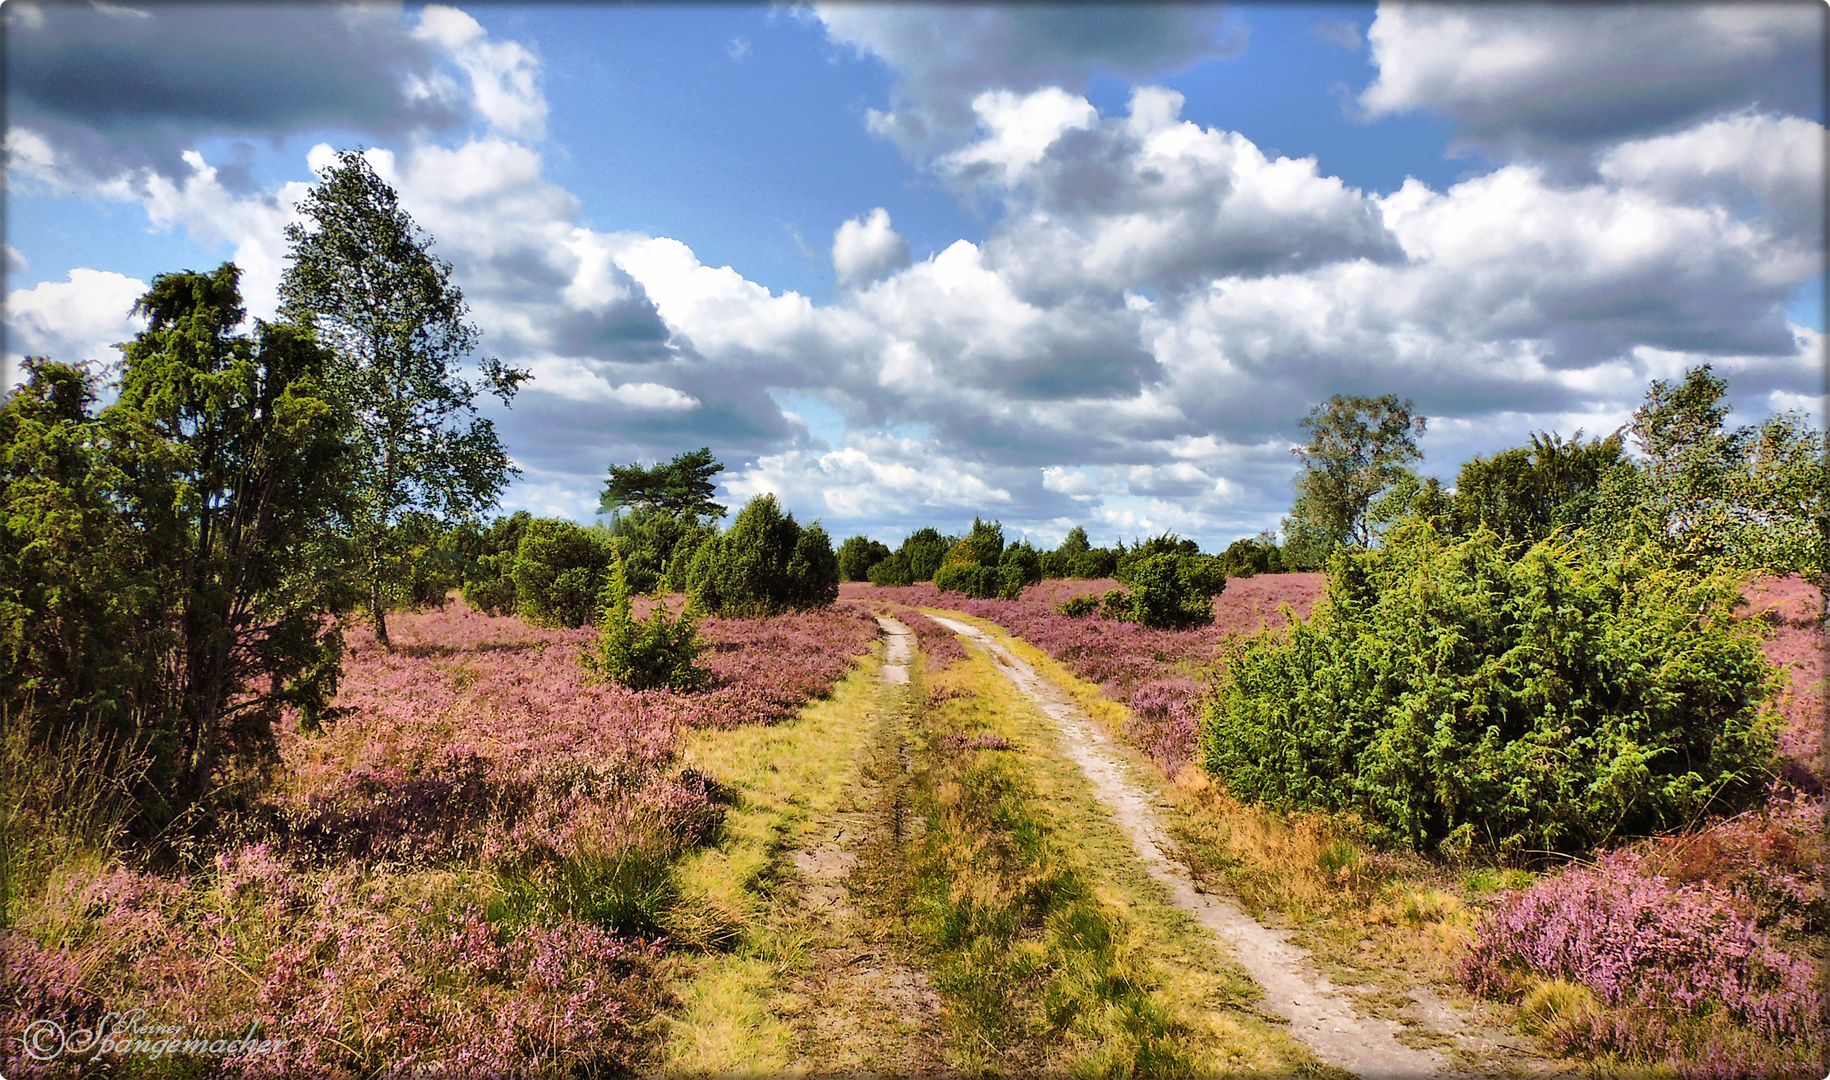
(857, 555)
(643, 654)
(892, 571)
(1252, 555)
(1174, 592)
(977, 582)
(489, 562)
(766, 563)
(1471, 693)
(559, 570)
(656, 546)
(923, 552)
(1020, 565)
(1078, 607)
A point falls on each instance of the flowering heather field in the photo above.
(1160, 674)
(1794, 612)
(467, 874)
(1700, 946)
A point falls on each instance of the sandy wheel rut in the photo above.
(1320, 1016)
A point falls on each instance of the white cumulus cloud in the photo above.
(865, 250)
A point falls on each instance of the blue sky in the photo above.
(906, 265)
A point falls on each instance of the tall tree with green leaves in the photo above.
(1358, 447)
(363, 275)
(1752, 497)
(683, 487)
(1526, 493)
(189, 535)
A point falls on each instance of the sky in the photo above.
(904, 266)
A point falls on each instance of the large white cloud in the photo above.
(1545, 75)
(78, 320)
(1152, 201)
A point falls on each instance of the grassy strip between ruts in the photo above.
(1054, 949)
(1380, 923)
(784, 783)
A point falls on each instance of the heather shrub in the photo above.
(559, 569)
(1614, 959)
(643, 654)
(766, 563)
(1532, 700)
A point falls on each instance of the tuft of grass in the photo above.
(64, 802)
(1554, 1005)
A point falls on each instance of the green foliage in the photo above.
(1060, 562)
(657, 546)
(558, 572)
(986, 542)
(1252, 555)
(1527, 493)
(489, 562)
(857, 555)
(1166, 544)
(169, 562)
(1020, 565)
(1751, 498)
(362, 275)
(1078, 607)
(643, 654)
(1174, 591)
(766, 563)
(429, 566)
(892, 571)
(977, 582)
(682, 488)
(1308, 544)
(1357, 448)
(1543, 700)
(923, 551)
(1410, 496)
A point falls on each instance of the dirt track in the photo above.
(1320, 1016)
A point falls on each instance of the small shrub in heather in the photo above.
(1683, 974)
(643, 654)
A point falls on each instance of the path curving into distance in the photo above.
(1320, 1016)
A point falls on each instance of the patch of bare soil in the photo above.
(1321, 1014)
